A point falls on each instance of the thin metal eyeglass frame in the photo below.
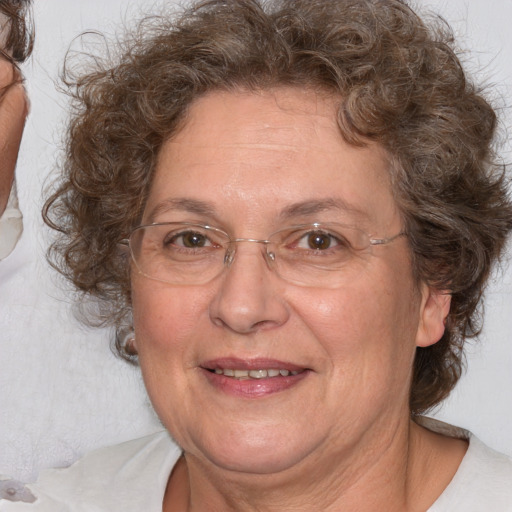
(229, 256)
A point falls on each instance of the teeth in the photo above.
(258, 374)
(254, 374)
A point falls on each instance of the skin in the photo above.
(13, 111)
(340, 438)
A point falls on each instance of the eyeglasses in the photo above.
(318, 255)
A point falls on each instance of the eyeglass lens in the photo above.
(191, 254)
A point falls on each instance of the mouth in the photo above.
(253, 378)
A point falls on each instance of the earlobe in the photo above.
(435, 307)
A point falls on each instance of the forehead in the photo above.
(264, 152)
(279, 116)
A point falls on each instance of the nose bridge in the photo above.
(232, 249)
(247, 298)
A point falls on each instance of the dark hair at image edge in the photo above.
(399, 83)
(19, 40)
(17, 35)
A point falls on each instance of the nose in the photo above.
(248, 298)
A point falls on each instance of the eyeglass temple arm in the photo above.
(383, 241)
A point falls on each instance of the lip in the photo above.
(252, 388)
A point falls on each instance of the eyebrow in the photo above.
(181, 203)
(295, 210)
(315, 206)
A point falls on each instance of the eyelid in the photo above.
(204, 231)
(337, 239)
(332, 228)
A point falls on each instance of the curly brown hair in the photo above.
(399, 83)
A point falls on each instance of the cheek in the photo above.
(372, 319)
(366, 335)
(164, 317)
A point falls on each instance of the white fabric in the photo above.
(132, 477)
(11, 225)
(128, 477)
(483, 483)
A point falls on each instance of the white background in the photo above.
(62, 392)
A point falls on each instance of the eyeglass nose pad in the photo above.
(229, 256)
(270, 258)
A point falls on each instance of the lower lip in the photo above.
(254, 388)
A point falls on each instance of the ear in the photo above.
(435, 306)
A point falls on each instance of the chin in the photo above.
(256, 461)
(263, 451)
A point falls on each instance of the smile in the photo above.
(255, 374)
(251, 378)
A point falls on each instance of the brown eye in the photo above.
(319, 241)
(192, 240)
(188, 239)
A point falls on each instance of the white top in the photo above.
(11, 224)
(132, 477)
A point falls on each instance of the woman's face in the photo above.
(251, 164)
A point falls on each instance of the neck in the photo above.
(391, 474)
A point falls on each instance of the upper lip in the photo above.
(250, 364)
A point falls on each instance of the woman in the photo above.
(289, 211)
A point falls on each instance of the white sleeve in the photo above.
(11, 224)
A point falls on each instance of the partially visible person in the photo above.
(16, 41)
